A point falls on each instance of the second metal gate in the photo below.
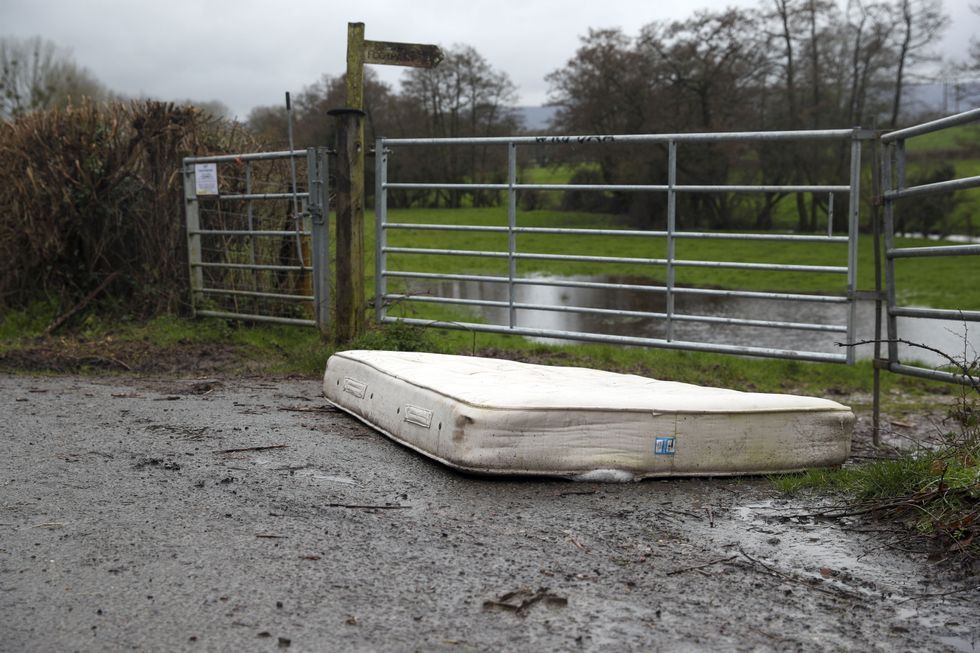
(258, 245)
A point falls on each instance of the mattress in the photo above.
(494, 416)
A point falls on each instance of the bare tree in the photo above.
(462, 96)
(268, 123)
(605, 88)
(920, 24)
(36, 74)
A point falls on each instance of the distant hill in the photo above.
(948, 97)
(536, 118)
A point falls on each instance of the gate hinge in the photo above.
(315, 213)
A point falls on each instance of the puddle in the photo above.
(784, 535)
(816, 550)
(971, 643)
(969, 640)
(942, 335)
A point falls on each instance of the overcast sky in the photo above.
(247, 53)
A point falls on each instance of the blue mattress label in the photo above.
(664, 447)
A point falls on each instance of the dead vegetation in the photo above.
(94, 190)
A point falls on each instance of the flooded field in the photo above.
(956, 339)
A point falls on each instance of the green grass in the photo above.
(16, 325)
(560, 174)
(936, 492)
(295, 350)
(945, 140)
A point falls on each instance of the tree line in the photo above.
(785, 64)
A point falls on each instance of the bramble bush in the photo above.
(96, 189)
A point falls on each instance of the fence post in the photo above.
(192, 214)
(349, 312)
(380, 222)
(853, 226)
(876, 199)
(671, 231)
(511, 227)
(319, 208)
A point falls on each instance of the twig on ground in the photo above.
(64, 317)
(364, 506)
(700, 567)
(310, 409)
(262, 448)
(918, 597)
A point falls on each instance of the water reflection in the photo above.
(945, 336)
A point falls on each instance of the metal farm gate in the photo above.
(894, 190)
(403, 280)
(258, 242)
(259, 249)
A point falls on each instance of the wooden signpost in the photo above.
(350, 307)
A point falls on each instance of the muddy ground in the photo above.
(128, 520)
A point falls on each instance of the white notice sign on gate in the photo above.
(206, 178)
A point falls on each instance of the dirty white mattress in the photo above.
(502, 417)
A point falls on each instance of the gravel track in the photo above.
(127, 521)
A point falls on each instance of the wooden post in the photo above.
(350, 304)
(355, 66)
(349, 274)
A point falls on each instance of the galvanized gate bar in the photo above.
(317, 164)
(853, 220)
(671, 228)
(252, 156)
(888, 213)
(568, 283)
(590, 139)
(936, 313)
(256, 293)
(259, 196)
(381, 230)
(410, 226)
(194, 252)
(671, 235)
(937, 187)
(947, 250)
(731, 265)
(249, 266)
(653, 188)
(589, 310)
(244, 232)
(955, 120)
(511, 226)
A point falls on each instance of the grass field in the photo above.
(945, 140)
